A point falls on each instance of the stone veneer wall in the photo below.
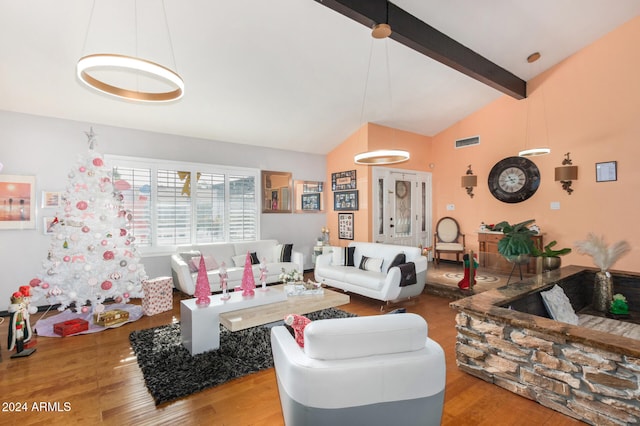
(593, 385)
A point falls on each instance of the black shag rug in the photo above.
(171, 372)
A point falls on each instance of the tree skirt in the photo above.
(44, 326)
(171, 372)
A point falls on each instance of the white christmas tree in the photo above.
(92, 257)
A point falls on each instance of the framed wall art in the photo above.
(311, 202)
(17, 202)
(309, 196)
(343, 181)
(607, 171)
(51, 199)
(345, 200)
(345, 226)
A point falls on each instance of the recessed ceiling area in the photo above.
(286, 74)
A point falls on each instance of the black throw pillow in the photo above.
(348, 256)
(398, 260)
(254, 259)
(285, 254)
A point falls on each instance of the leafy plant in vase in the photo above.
(517, 245)
(603, 257)
(550, 258)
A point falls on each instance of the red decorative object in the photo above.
(298, 323)
(98, 162)
(82, 205)
(70, 327)
(108, 255)
(248, 282)
(106, 285)
(158, 295)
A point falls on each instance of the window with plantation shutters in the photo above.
(184, 203)
(210, 208)
(173, 208)
(243, 208)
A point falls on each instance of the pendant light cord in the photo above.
(366, 83)
(86, 33)
(166, 23)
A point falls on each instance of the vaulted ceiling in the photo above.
(288, 74)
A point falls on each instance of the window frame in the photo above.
(154, 165)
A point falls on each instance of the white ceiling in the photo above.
(286, 74)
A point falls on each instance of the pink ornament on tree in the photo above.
(98, 162)
(203, 289)
(248, 283)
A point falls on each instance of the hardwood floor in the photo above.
(98, 378)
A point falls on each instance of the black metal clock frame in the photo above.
(531, 184)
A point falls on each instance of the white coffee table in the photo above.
(200, 326)
(251, 317)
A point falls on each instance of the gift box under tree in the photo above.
(158, 295)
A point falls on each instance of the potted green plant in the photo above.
(517, 245)
(550, 258)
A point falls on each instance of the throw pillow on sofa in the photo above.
(370, 264)
(210, 263)
(240, 259)
(343, 256)
(188, 256)
(282, 252)
(398, 260)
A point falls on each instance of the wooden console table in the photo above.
(491, 260)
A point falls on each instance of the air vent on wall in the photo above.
(463, 143)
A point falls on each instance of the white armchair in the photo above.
(376, 370)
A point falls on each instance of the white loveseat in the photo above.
(376, 370)
(381, 283)
(184, 263)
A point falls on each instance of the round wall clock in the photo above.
(514, 179)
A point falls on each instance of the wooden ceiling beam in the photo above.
(423, 38)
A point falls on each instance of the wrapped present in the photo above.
(109, 318)
(158, 295)
(73, 326)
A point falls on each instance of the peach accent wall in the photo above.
(370, 137)
(588, 105)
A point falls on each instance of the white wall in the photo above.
(49, 148)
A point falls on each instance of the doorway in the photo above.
(401, 207)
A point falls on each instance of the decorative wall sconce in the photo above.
(567, 173)
(469, 180)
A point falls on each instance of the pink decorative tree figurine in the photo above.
(224, 276)
(263, 274)
(248, 283)
(203, 289)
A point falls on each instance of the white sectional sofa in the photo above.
(184, 263)
(377, 280)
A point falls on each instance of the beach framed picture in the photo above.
(17, 202)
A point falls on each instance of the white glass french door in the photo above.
(401, 206)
